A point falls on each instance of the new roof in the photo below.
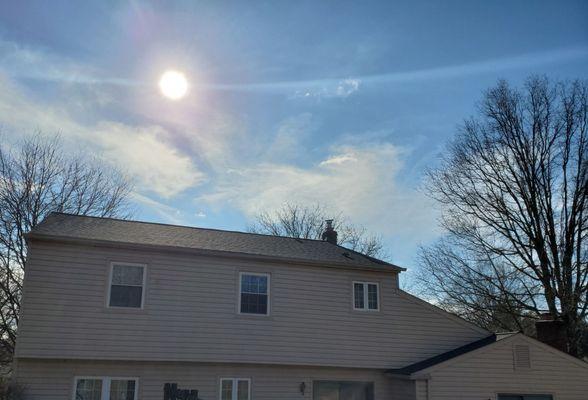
(115, 231)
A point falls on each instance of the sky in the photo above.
(342, 103)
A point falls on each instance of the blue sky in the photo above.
(339, 102)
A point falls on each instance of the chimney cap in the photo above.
(547, 317)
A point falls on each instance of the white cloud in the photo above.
(21, 112)
(339, 159)
(347, 87)
(146, 154)
(36, 63)
(166, 213)
(363, 182)
(145, 151)
(328, 89)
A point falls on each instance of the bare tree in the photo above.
(513, 186)
(36, 178)
(308, 222)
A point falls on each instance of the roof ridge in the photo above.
(92, 227)
(197, 227)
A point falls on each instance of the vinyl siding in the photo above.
(484, 374)
(421, 390)
(190, 313)
(53, 380)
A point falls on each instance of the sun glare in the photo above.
(173, 84)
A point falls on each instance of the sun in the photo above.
(173, 84)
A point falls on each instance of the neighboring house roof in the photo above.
(425, 367)
(99, 230)
(429, 362)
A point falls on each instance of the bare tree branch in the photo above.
(308, 222)
(36, 178)
(513, 187)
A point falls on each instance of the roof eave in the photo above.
(31, 236)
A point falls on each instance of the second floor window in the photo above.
(254, 293)
(365, 296)
(127, 283)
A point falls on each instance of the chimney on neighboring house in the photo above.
(330, 234)
(552, 332)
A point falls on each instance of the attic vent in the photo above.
(522, 357)
(347, 255)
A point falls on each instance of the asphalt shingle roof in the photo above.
(109, 230)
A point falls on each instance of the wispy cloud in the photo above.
(479, 67)
(144, 151)
(339, 159)
(290, 137)
(167, 213)
(330, 89)
(34, 63)
(200, 214)
(361, 181)
(343, 86)
(22, 62)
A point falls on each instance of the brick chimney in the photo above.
(552, 332)
(330, 234)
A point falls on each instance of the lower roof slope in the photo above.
(492, 340)
(109, 230)
(429, 362)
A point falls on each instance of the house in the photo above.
(126, 310)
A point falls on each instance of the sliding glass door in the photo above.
(343, 390)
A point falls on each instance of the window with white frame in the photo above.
(366, 296)
(105, 388)
(235, 389)
(127, 285)
(254, 293)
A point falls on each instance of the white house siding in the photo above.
(485, 373)
(54, 380)
(190, 313)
